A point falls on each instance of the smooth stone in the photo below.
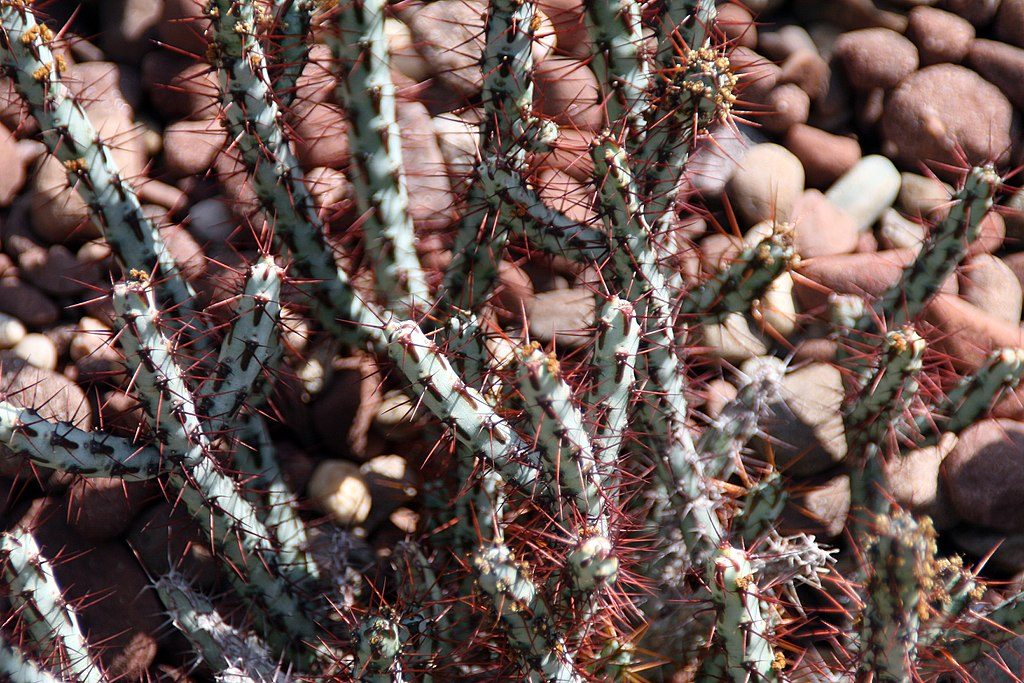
(713, 164)
(340, 490)
(1001, 65)
(866, 190)
(1009, 23)
(450, 36)
(820, 507)
(717, 394)
(566, 91)
(565, 315)
(731, 339)
(190, 147)
(876, 57)
(767, 184)
(913, 481)
(737, 23)
(807, 435)
(458, 137)
(991, 285)
(897, 232)
(402, 49)
(431, 201)
(26, 303)
(12, 331)
(822, 228)
(965, 333)
(37, 350)
(788, 104)
(825, 157)
(777, 308)
(978, 12)
(947, 114)
(940, 36)
(984, 477)
(809, 71)
(920, 196)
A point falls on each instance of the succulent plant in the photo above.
(588, 524)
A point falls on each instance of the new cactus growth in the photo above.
(582, 517)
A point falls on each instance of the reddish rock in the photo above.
(100, 509)
(321, 135)
(184, 25)
(943, 109)
(757, 75)
(820, 507)
(737, 23)
(450, 36)
(822, 229)
(515, 290)
(191, 146)
(431, 200)
(825, 157)
(54, 270)
(13, 177)
(572, 38)
(566, 90)
(965, 333)
(875, 57)
(570, 152)
(983, 475)
(992, 286)
(807, 69)
(1009, 24)
(563, 314)
(564, 193)
(939, 36)
(26, 303)
(1002, 65)
(181, 88)
(864, 274)
(788, 105)
(978, 12)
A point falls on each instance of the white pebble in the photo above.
(37, 350)
(339, 489)
(12, 331)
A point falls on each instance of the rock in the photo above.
(788, 105)
(777, 308)
(340, 490)
(572, 39)
(431, 201)
(458, 138)
(1002, 552)
(402, 48)
(186, 251)
(514, 292)
(939, 36)
(184, 25)
(965, 333)
(983, 475)
(807, 70)
(1001, 65)
(757, 76)
(317, 82)
(821, 350)
(876, 57)
(128, 28)
(718, 393)
(992, 286)
(731, 339)
(93, 353)
(562, 192)
(37, 350)
(332, 194)
(991, 235)
(1009, 23)
(26, 303)
(913, 481)
(766, 185)
(820, 508)
(780, 43)
(825, 157)
(392, 483)
(321, 135)
(181, 88)
(12, 331)
(737, 23)
(978, 12)
(190, 147)
(566, 91)
(897, 232)
(806, 424)
(947, 113)
(52, 395)
(821, 228)
(921, 196)
(54, 270)
(87, 572)
(165, 537)
(713, 162)
(210, 220)
(565, 315)
(101, 509)
(13, 178)
(450, 36)
(866, 190)
(396, 416)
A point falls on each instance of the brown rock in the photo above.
(787, 105)
(181, 88)
(26, 303)
(570, 152)
(119, 612)
(766, 185)
(317, 82)
(807, 69)
(992, 286)
(897, 232)
(100, 509)
(757, 75)
(184, 25)
(431, 200)
(164, 536)
(978, 12)
(913, 481)
(128, 28)
(825, 157)
(718, 393)
(515, 290)
(737, 23)
(821, 350)
(565, 315)
(572, 38)
(321, 135)
(55, 270)
(806, 426)
(876, 57)
(566, 91)
(939, 36)
(564, 193)
(983, 475)
(450, 36)
(191, 146)
(920, 196)
(1000, 64)
(992, 235)
(822, 229)
(820, 507)
(965, 333)
(943, 109)
(1009, 24)
(13, 177)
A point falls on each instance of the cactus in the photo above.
(582, 520)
